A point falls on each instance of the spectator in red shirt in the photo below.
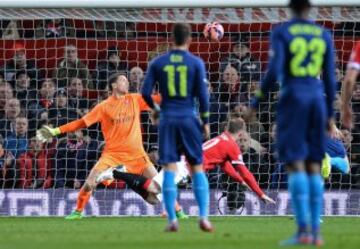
(35, 165)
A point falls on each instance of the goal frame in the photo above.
(164, 3)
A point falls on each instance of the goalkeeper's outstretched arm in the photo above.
(47, 132)
(95, 115)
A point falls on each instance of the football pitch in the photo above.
(147, 233)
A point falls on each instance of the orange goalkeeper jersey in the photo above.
(120, 123)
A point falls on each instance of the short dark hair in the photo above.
(181, 32)
(113, 78)
(299, 6)
(235, 125)
(17, 75)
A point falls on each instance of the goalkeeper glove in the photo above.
(46, 133)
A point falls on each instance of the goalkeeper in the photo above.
(119, 116)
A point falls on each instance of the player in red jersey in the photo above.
(352, 73)
(223, 151)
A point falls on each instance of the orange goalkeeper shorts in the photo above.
(135, 166)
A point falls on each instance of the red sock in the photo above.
(250, 180)
(82, 200)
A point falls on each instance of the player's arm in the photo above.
(46, 132)
(144, 106)
(234, 154)
(329, 78)
(228, 169)
(276, 64)
(203, 97)
(351, 76)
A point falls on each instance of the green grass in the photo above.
(147, 233)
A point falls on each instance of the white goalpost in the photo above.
(47, 47)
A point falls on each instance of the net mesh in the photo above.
(54, 68)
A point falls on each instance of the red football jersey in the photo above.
(355, 57)
(219, 150)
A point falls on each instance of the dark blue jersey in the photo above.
(335, 147)
(301, 51)
(182, 80)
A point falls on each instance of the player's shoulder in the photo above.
(327, 33)
(105, 102)
(134, 96)
(197, 61)
(278, 28)
(100, 105)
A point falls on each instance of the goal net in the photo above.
(54, 68)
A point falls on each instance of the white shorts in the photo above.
(181, 175)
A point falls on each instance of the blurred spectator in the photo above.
(241, 59)
(12, 111)
(39, 30)
(75, 156)
(218, 113)
(153, 153)
(59, 112)
(111, 65)
(230, 90)
(7, 167)
(120, 29)
(136, 77)
(22, 89)
(339, 78)
(75, 97)
(16, 142)
(35, 166)
(59, 28)
(6, 93)
(254, 127)
(11, 32)
(19, 62)
(2, 78)
(38, 110)
(70, 67)
(254, 160)
(347, 138)
(100, 30)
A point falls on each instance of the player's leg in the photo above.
(158, 179)
(316, 139)
(86, 191)
(292, 148)
(168, 156)
(131, 172)
(316, 187)
(190, 135)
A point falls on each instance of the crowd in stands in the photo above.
(31, 97)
